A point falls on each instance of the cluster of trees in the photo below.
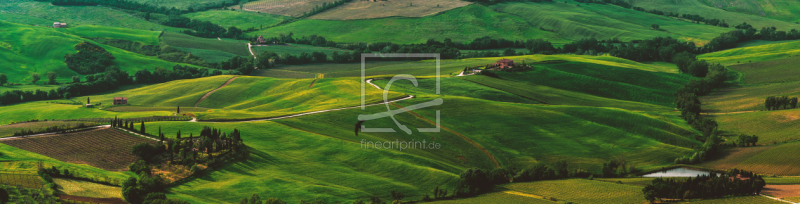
(90, 59)
(160, 75)
(733, 183)
(54, 128)
(201, 28)
(747, 140)
(211, 140)
(780, 102)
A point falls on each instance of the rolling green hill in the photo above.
(30, 49)
(239, 19)
(781, 10)
(461, 24)
(75, 15)
(577, 21)
(699, 7)
(754, 53)
(772, 159)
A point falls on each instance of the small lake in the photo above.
(679, 172)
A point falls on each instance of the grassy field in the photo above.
(294, 164)
(768, 160)
(454, 87)
(188, 41)
(252, 95)
(494, 197)
(770, 126)
(239, 19)
(781, 10)
(296, 49)
(105, 148)
(556, 96)
(87, 189)
(180, 4)
(382, 9)
(209, 55)
(29, 49)
(283, 7)
(75, 15)
(747, 98)
(782, 180)
(171, 94)
(705, 9)
(92, 31)
(754, 53)
(605, 81)
(772, 71)
(50, 111)
(461, 24)
(573, 21)
(582, 191)
(280, 73)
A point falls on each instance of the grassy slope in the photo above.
(44, 110)
(29, 49)
(296, 49)
(773, 159)
(369, 9)
(770, 126)
(92, 31)
(259, 97)
(754, 53)
(180, 4)
(786, 10)
(454, 87)
(239, 19)
(87, 189)
(582, 191)
(698, 7)
(188, 41)
(282, 7)
(605, 81)
(461, 24)
(293, 164)
(575, 22)
(174, 93)
(77, 15)
(773, 71)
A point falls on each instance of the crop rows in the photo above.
(21, 180)
(106, 148)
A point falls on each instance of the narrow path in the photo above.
(778, 199)
(523, 194)
(250, 47)
(212, 91)
(488, 154)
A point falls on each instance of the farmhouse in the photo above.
(59, 25)
(504, 63)
(260, 39)
(120, 101)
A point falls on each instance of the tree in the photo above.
(160, 136)
(655, 26)
(76, 79)
(3, 79)
(397, 195)
(142, 130)
(698, 68)
(35, 77)
(179, 109)
(509, 52)
(255, 199)
(683, 60)
(88, 101)
(143, 150)
(51, 77)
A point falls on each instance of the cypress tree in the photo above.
(142, 127)
(179, 109)
(161, 136)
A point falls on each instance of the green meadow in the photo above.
(239, 19)
(461, 24)
(772, 71)
(188, 41)
(92, 31)
(43, 110)
(29, 49)
(768, 160)
(780, 10)
(34, 11)
(294, 165)
(180, 4)
(577, 21)
(296, 49)
(759, 53)
(731, 17)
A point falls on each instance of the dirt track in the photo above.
(212, 91)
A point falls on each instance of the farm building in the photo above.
(120, 101)
(504, 63)
(260, 39)
(59, 25)
(89, 105)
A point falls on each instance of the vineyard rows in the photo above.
(21, 180)
(105, 148)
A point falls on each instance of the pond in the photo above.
(679, 172)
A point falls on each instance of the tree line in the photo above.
(732, 183)
(780, 102)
